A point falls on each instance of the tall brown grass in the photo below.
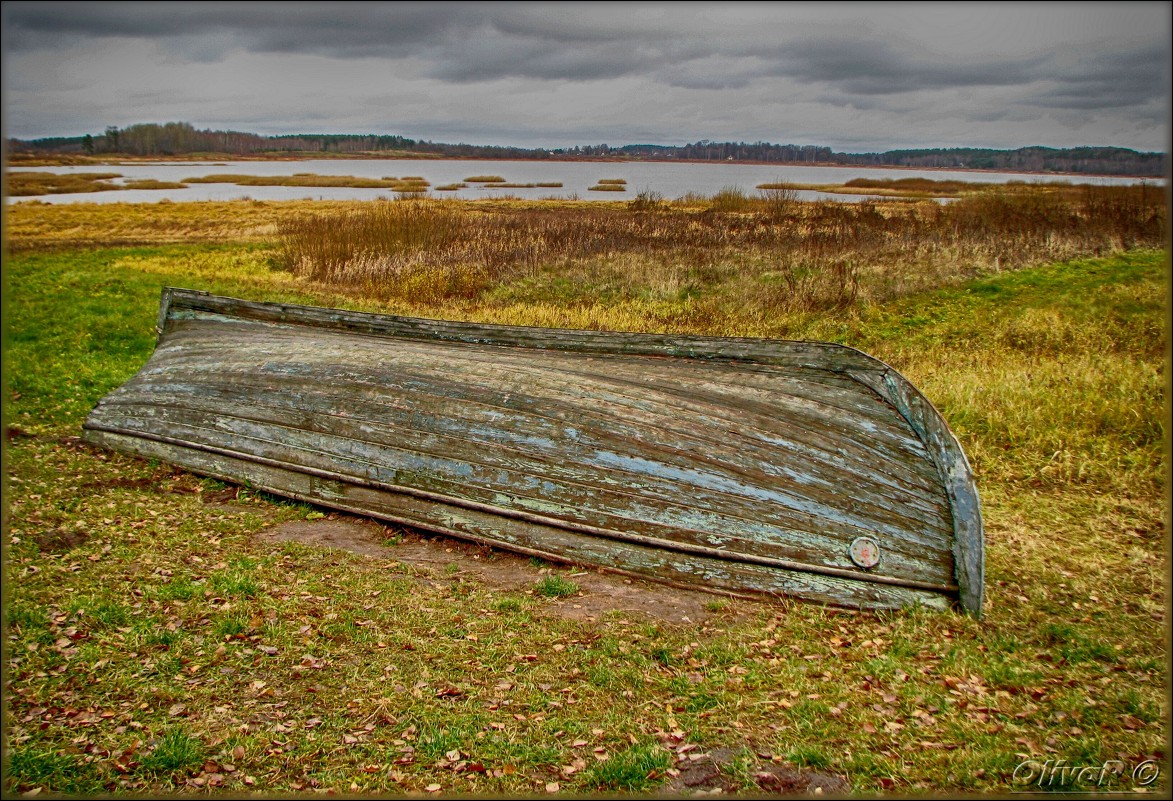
(779, 198)
(926, 186)
(309, 179)
(28, 184)
(769, 252)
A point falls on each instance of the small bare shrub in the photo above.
(780, 199)
(646, 200)
(731, 199)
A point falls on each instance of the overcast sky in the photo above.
(873, 76)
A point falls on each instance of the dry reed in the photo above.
(772, 252)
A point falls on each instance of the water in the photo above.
(670, 179)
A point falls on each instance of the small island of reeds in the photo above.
(313, 180)
(609, 185)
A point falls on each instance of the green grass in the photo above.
(68, 774)
(151, 633)
(176, 751)
(636, 769)
(555, 587)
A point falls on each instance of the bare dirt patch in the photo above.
(355, 534)
(780, 780)
(60, 539)
(698, 773)
(16, 432)
(439, 558)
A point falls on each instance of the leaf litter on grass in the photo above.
(137, 590)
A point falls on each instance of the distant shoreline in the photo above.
(113, 160)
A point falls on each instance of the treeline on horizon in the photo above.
(180, 138)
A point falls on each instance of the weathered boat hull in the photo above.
(744, 466)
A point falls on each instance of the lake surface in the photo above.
(670, 179)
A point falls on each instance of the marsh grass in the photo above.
(484, 179)
(154, 639)
(151, 183)
(731, 199)
(421, 249)
(309, 179)
(765, 254)
(918, 187)
(607, 187)
(921, 188)
(24, 184)
(647, 200)
(43, 226)
(780, 199)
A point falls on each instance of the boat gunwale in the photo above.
(544, 520)
(885, 381)
(211, 447)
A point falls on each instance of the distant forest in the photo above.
(181, 138)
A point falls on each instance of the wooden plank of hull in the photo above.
(696, 572)
(723, 460)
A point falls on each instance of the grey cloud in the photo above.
(673, 45)
(493, 57)
(841, 62)
(996, 115)
(568, 24)
(1085, 99)
(342, 30)
(1109, 80)
(705, 80)
(869, 67)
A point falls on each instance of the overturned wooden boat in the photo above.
(742, 466)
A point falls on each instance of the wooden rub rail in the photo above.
(744, 466)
